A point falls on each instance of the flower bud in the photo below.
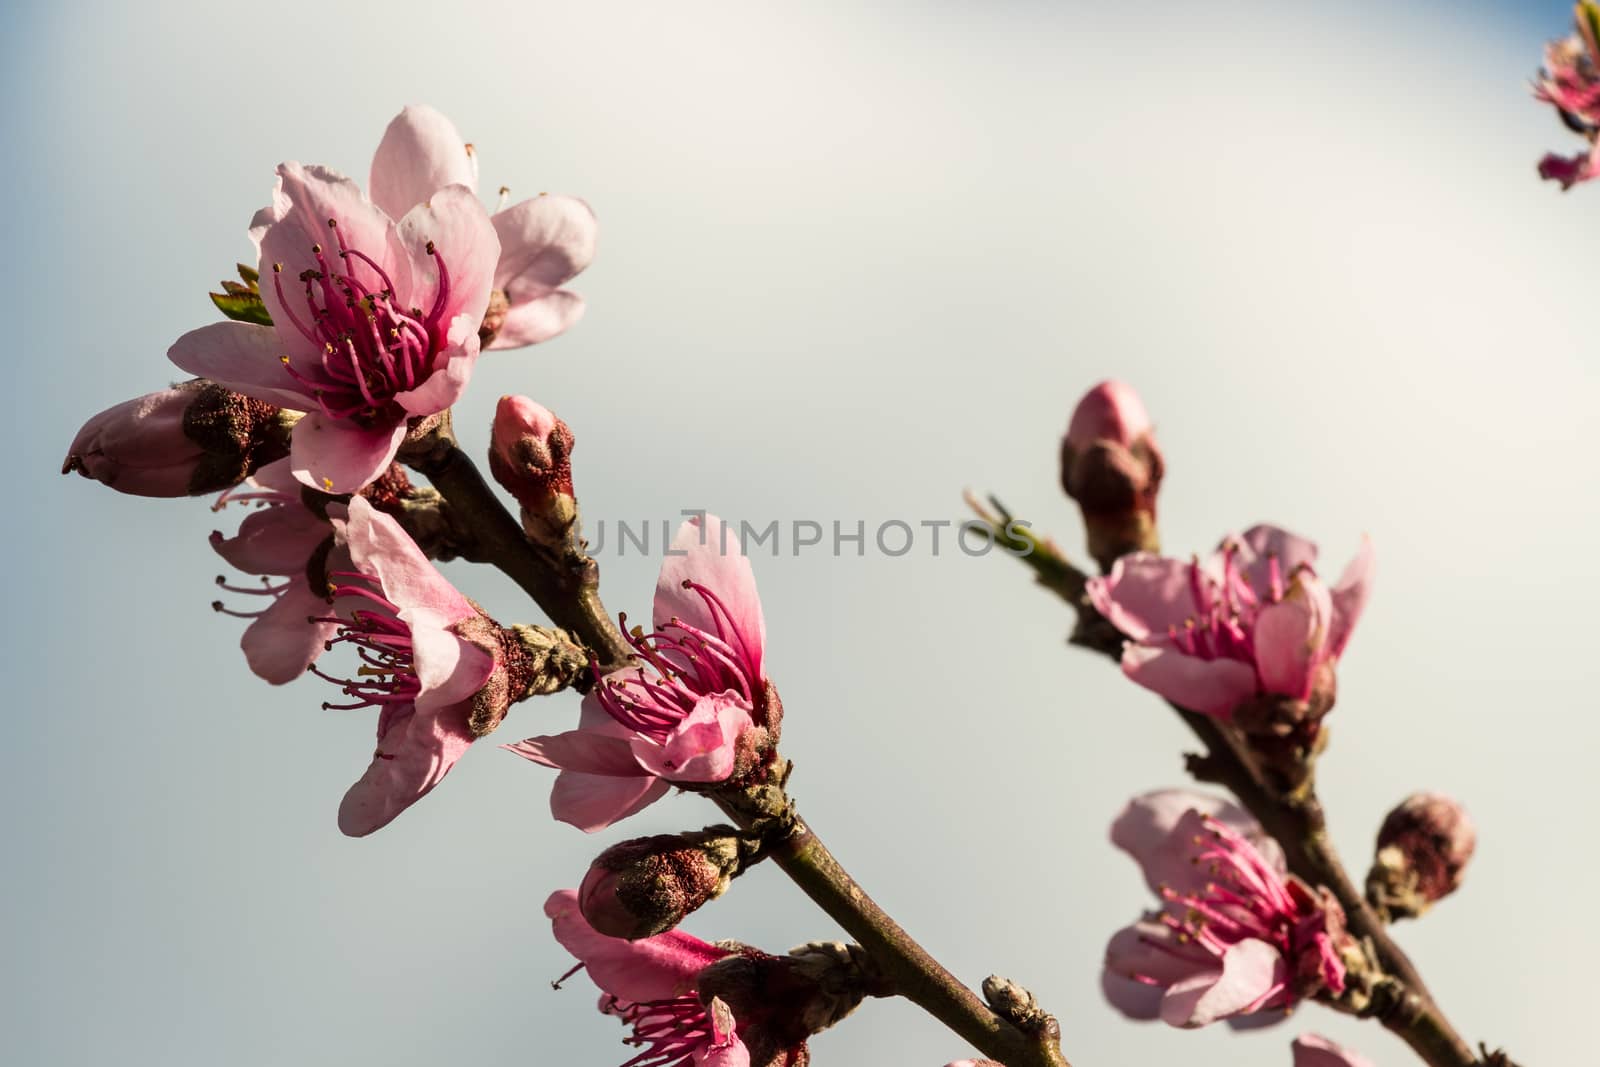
(640, 888)
(192, 439)
(1111, 466)
(531, 456)
(1423, 849)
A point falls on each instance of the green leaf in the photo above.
(241, 301)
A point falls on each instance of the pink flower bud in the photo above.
(1423, 850)
(644, 887)
(1111, 466)
(192, 439)
(531, 456)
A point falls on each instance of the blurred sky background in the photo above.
(853, 259)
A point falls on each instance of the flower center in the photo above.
(371, 348)
(686, 664)
(671, 1032)
(381, 640)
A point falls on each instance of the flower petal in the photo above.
(1145, 831)
(274, 540)
(662, 967)
(283, 641)
(452, 371)
(1252, 972)
(708, 553)
(1291, 637)
(1350, 597)
(545, 242)
(456, 225)
(593, 802)
(584, 751)
(1211, 687)
(244, 357)
(538, 319)
(702, 747)
(1145, 594)
(420, 153)
(416, 749)
(1313, 1050)
(340, 456)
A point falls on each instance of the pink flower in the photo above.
(545, 241)
(1570, 81)
(278, 540)
(1235, 936)
(1254, 620)
(441, 673)
(652, 986)
(375, 322)
(191, 439)
(1310, 1050)
(698, 711)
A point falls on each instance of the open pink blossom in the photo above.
(279, 540)
(545, 241)
(1253, 620)
(1235, 936)
(375, 322)
(695, 712)
(652, 985)
(1570, 82)
(439, 671)
(1312, 1050)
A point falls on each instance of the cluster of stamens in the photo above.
(371, 348)
(1225, 613)
(381, 640)
(671, 1032)
(243, 493)
(686, 664)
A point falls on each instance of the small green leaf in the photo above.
(241, 301)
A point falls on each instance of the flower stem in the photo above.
(1296, 821)
(566, 588)
(915, 974)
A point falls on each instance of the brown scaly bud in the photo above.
(1111, 466)
(1018, 1006)
(529, 661)
(640, 888)
(780, 1001)
(190, 440)
(531, 456)
(1422, 854)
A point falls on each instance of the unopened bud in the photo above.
(1423, 849)
(1111, 466)
(531, 456)
(192, 439)
(640, 888)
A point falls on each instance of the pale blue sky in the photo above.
(852, 261)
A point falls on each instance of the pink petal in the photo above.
(1291, 637)
(584, 751)
(538, 319)
(274, 540)
(242, 356)
(1252, 972)
(1151, 951)
(1312, 1050)
(456, 224)
(702, 747)
(1350, 597)
(282, 642)
(305, 199)
(416, 749)
(1570, 170)
(593, 802)
(1211, 687)
(545, 242)
(340, 456)
(1135, 1000)
(420, 153)
(663, 967)
(453, 370)
(709, 554)
(733, 1054)
(1111, 411)
(1145, 594)
(1263, 542)
(1145, 831)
